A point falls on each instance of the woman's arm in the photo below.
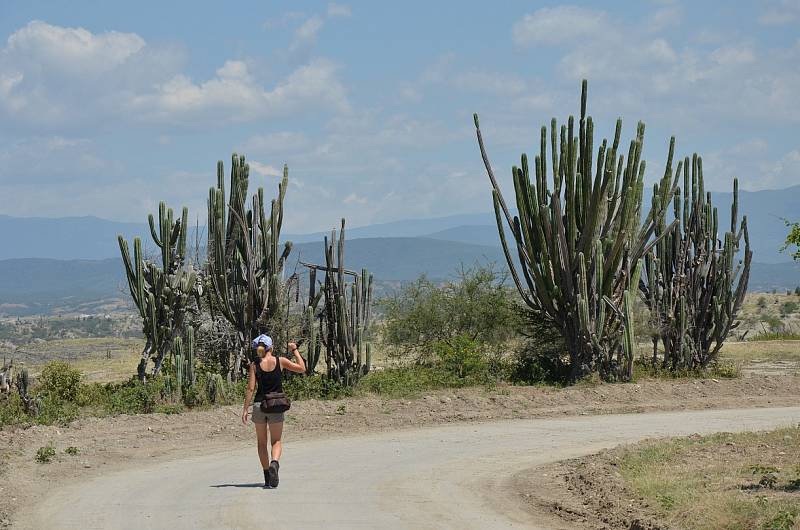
(298, 365)
(248, 395)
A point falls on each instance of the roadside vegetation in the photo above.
(723, 481)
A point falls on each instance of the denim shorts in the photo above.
(260, 416)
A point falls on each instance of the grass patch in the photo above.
(761, 350)
(722, 369)
(410, 381)
(725, 481)
(45, 454)
(774, 335)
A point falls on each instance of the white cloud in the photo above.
(665, 17)
(66, 78)
(284, 20)
(339, 10)
(355, 198)
(645, 70)
(557, 25)
(733, 55)
(278, 142)
(305, 36)
(780, 13)
(39, 159)
(235, 95)
(265, 170)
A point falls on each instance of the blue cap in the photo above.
(266, 340)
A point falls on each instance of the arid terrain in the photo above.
(114, 444)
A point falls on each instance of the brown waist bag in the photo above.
(275, 402)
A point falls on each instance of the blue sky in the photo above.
(108, 107)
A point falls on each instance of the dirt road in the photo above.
(455, 476)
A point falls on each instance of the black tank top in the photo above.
(268, 381)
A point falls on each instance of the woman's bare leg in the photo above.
(263, 444)
(275, 433)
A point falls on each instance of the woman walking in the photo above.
(265, 378)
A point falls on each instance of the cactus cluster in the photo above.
(694, 283)
(163, 295)
(183, 360)
(245, 260)
(342, 324)
(6, 376)
(580, 240)
(215, 388)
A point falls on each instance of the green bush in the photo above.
(407, 381)
(299, 387)
(12, 411)
(541, 358)
(55, 411)
(133, 397)
(60, 381)
(477, 304)
(45, 454)
(643, 368)
(463, 358)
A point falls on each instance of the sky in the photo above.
(109, 107)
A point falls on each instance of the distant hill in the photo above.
(44, 286)
(94, 238)
(473, 234)
(405, 228)
(405, 258)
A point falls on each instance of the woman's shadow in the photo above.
(251, 485)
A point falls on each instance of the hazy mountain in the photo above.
(474, 234)
(94, 238)
(43, 286)
(405, 228)
(405, 258)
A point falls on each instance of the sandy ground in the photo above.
(127, 449)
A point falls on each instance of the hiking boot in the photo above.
(273, 473)
(266, 478)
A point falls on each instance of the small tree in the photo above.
(792, 240)
(477, 304)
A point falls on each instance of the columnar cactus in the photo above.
(579, 241)
(244, 259)
(162, 295)
(694, 282)
(345, 316)
(314, 345)
(183, 361)
(215, 388)
(6, 376)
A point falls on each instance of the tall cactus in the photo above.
(314, 345)
(244, 259)
(162, 295)
(694, 282)
(345, 317)
(579, 241)
(183, 361)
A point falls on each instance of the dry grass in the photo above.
(103, 359)
(713, 481)
(761, 311)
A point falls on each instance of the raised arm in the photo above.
(297, 364)
(248, 395)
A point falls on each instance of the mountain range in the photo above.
(95, 238)
(60, 265)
